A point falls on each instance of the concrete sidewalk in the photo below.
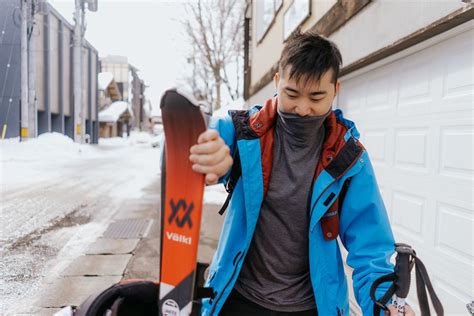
(129, 248)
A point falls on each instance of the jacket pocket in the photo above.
(330, 221)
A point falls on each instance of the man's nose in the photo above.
(303, 109)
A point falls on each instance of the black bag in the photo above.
(130, 297)
(135, 297)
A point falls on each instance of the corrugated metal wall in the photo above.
(10, 21)
(67, 71)
(53, 67)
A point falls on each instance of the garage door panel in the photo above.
(356, 91)
(457, 74)
(410, 149)
(409, 211)
(377, 98)
(456, 152)
(415, 87)
(454, 235)
(377, 140)
(454, 301)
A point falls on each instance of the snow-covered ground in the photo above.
(58, 196)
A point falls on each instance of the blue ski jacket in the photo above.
(362, 226)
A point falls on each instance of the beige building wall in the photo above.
(383, 22)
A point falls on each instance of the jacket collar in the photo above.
(263, 121)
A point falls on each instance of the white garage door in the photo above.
(415, 115)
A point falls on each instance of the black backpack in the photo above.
(134, 297)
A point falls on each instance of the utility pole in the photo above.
(79, 31)
(78, 106)
(24, 69)
(32, 104)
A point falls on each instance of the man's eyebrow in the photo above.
(291, 90)
(314, 93)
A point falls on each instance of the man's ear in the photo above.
(276, 79)
(338, 86)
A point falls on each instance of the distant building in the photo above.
(140, 111)
(108, 90)
(53, 37)
(130, 86)
(119, 67)
(115, 120)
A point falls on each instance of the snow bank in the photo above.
(47, 147)
(139, 138)
(113, 141)
(39, 159)
(114, 111)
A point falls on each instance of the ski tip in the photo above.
(171, 95)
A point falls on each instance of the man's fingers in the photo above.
(207, 148)
(211, 178)
(392, 311)
(208, 135)
(409, 311)
(210, 160)
(219, 169)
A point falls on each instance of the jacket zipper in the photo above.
(329, 185)
(228, 282)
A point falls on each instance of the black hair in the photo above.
(310, 55)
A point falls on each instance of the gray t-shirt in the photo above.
(275, 273)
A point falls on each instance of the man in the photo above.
(305, 180)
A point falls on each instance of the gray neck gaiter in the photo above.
(298, 130)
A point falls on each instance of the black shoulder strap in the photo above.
(235, 174)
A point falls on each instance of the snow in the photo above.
(134, 139)
(104, 80)
(35, 160)
(215, 194)
(238, 104)
(113, 112)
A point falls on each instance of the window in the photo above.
(295, 15)
(265, 12)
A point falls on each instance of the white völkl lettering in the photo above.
(179, 238)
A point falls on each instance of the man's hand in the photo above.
(392, 311)
(211, 156)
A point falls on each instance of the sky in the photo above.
(149, 33)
